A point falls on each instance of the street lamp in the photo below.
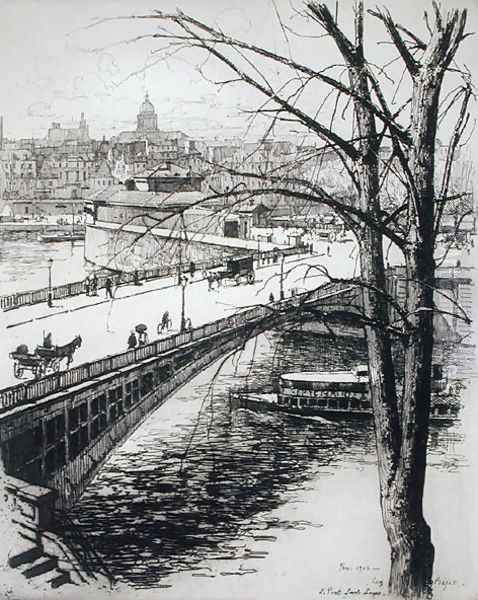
(50, 264)
(282, 276)
(183, 282)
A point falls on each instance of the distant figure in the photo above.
(132, 341)
(217, 279)
(271, 297)
(87, 286)
(94, 285)
(311, 248)
(165, 322)
(108, 288)
(458, 263)
(328, 250)
(210, 281)
(192, 268)
(188, 324)
(143, 338)
(47, 343)
(136, 280)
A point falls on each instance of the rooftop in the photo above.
(140, 199)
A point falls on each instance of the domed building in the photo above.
(167, 144)
(147, 117)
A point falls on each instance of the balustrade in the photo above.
(34, 390)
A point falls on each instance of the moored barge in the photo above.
(335, 395)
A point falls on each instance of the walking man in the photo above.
(108, 288)
(165, 321)
(132, 341)
(94, 285)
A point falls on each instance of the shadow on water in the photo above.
(193, 490)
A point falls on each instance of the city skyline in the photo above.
(86, 65)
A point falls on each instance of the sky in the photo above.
(61, 57)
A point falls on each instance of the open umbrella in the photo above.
(141, 327)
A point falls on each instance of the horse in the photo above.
(67, 350)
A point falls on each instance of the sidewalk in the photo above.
(104, 325)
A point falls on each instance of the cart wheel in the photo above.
(251, 277)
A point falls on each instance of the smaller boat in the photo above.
(61, 236)
(335, 395)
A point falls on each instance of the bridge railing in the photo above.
(76, 288)
(33, 390)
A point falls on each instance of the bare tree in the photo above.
(401, 401)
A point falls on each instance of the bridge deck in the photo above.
(28, 392)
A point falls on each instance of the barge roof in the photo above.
(324, 376)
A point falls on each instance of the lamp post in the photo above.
(50, 264)
(183, 282)
(282, 276)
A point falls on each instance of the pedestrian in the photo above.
(328, 250)
(143, 338)
(132, 341)
(165, 321)
(136, 280)
(94, 285)
(87, 286)
(192, 268)
(108, 288)
(217, 279)
(47, 343)
(271, 297)
(209, 281)
(188, 324)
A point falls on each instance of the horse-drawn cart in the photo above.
(238, 268)
(24, 361)
(44, 359)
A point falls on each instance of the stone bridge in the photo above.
(58, 430)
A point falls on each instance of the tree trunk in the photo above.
(412, 551)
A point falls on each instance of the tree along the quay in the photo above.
(385, 144)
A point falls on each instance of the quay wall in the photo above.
(128, 250)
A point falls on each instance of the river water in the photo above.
(204, 502)
(24, 263)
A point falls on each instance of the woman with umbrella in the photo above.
(142, 334)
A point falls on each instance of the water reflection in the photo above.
(197, 480)
(24, 262)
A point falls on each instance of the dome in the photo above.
(146, 106)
